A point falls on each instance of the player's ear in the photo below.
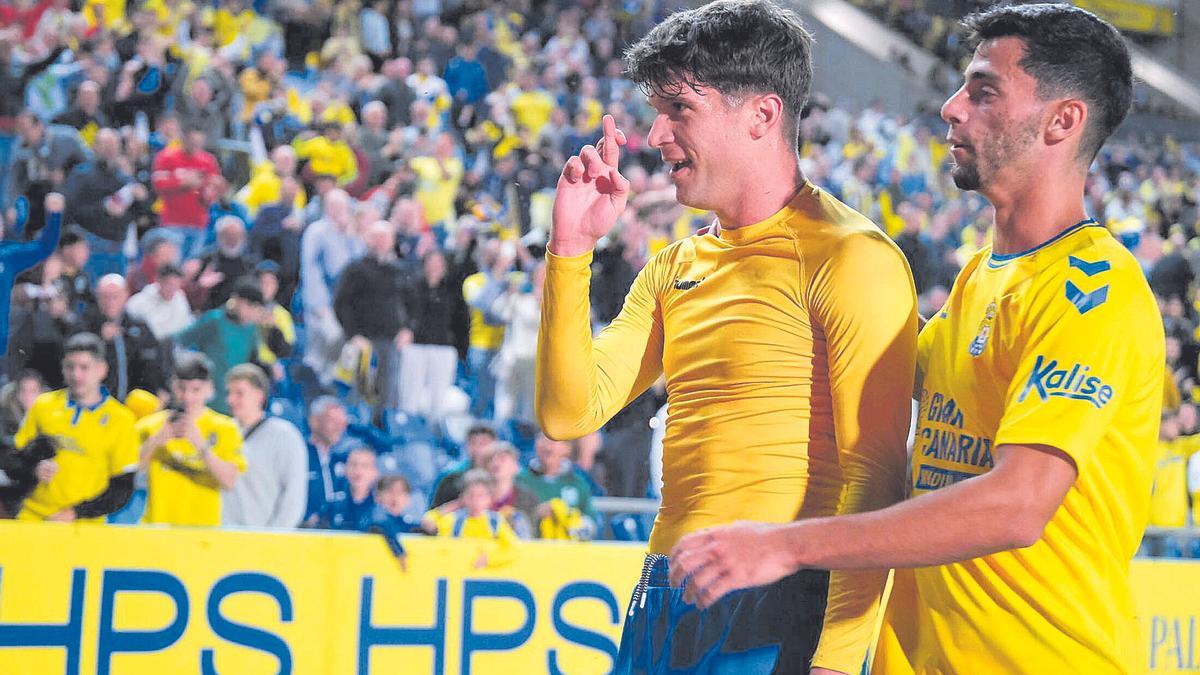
(767, 112)
(1068, 120)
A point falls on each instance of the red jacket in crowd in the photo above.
(184, 202)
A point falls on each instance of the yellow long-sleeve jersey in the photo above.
(789, 351)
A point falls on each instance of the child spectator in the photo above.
(471, 517)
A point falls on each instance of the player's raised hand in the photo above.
(591, 195)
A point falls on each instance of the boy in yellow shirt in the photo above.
(471, 517)
(190, 452)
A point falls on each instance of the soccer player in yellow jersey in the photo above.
(91, 474)
(1040, 394)
(786, 333)
(189, 452)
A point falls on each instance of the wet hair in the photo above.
(733, 46)
(1070, 52)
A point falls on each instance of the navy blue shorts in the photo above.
(766, 629)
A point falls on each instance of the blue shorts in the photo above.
(766, 629)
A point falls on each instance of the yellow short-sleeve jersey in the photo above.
(1059, 346)
(180, 489)
(94, 443)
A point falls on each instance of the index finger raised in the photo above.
(610, 152)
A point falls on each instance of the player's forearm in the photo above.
(565, 385)
(974, 518)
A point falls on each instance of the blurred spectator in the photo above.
(467, 83)
(227, 335)
(86, 441)
(40, 163)
(99, 195)
(520, 308)
(374, 137)
(564, 496)
(439, 177)
(86, 116)
(486, 333)
(16, 399)
(15, 258)
(198, 110)
(477, 449)
(74, 252)
(370, 306)
(328, 246)
(135, 358)
(183, 178)
(266, 184)
(438, 317)
(394, 494)
(190, 453)
(276, 236)
(159, 248)
(395, 93)
(223, 265)
(471, 517)
(327, 448)
(515, 503)
(162, 305)
(355, 511)
(273, 490)
(625, 450)
(276, 331)
(326, 153)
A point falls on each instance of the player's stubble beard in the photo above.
(993, 151)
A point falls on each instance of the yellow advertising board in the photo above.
(94, 600)
(80, 599)
(1155, 18)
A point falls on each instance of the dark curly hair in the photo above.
(736, 47)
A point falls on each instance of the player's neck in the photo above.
(760, 195)
(1026, 218)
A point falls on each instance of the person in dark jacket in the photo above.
(369, 303)
(135, 358)
(439, 318)
(99, 196)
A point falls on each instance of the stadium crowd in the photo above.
(301, 243)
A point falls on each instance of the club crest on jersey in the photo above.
(985, 330)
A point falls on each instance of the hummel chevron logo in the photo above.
(1089, 268)
(1086, 302)
(681, 285)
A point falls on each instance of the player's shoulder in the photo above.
(829, 229)
(1095, 277)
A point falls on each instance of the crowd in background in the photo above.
(354, 198)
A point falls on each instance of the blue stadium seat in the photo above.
(629, 527)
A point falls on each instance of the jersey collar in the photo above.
(998, 260)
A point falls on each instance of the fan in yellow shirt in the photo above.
(265, 183)
(471, 517)
(1169, 499)
(1040, 396)
(91, 473)
(189, 452)
(438, 179)
(327, 154)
